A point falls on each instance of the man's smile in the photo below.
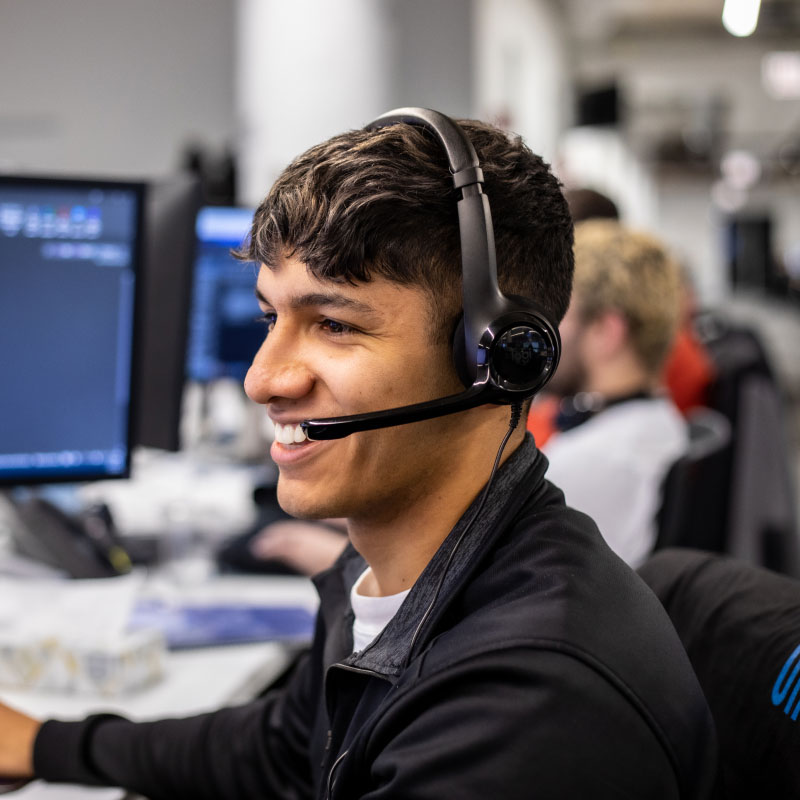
(290, 434)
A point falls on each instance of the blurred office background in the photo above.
(693, 131)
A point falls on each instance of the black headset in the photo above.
(505, 348)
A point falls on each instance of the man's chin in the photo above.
(297, 501)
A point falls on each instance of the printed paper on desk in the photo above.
(71, 636)
(74, 609)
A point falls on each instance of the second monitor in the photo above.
(224, 332)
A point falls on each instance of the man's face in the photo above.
(332, 350)
(570, 376)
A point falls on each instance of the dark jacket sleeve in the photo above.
(516, 724)
(255, 750)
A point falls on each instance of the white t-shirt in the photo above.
(613, 466)
(372, 614)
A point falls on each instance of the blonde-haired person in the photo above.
(619, 431)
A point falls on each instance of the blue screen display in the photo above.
(68, 265)
(224, 333)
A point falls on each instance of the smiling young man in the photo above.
(469, 643)
(333, 350)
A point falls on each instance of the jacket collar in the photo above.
(516, 480)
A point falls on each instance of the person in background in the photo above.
(689, 370)
(619, 430)
(584, 203)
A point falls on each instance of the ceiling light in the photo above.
(740, 17)
(740, 169)
(780, 74)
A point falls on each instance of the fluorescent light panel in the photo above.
(740, 17)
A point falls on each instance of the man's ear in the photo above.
(609, 333)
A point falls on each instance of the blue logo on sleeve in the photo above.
(782, 686)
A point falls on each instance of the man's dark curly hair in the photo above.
(381, 203)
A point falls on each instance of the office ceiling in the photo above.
(688, 89)
(604, 20)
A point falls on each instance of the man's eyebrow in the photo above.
(325, 300)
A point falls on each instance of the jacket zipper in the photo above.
(333, 769)
(360, 671)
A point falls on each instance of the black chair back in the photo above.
(695, 496)
(740, 625)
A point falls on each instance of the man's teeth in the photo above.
(289, 434)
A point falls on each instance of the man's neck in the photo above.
(619, 378)
(398, 549)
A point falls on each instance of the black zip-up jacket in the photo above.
(543, 669)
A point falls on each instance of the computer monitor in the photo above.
(69, 261)
(224, 333)
(749, 251)
(168, 259)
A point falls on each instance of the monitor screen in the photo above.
(69, 253)
(749, 251)
(224, 333)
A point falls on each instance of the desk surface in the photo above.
(195, 680)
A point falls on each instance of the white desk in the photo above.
(195, 680)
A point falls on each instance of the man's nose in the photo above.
(279, 369)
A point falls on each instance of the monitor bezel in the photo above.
(170, 217)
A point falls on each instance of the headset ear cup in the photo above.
(460, 355)
(522, 356)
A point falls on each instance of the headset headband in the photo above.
(482, 299)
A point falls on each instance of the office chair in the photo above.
(695, 494)
(762, 523)
(740, 625)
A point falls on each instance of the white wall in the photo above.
(119, 87)
(113, 86)
(432, 55)
(522, 70)
(308, 69)
(689, 222)
(599, 158)
(303, 76)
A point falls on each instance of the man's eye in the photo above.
(332, 326)
(268, 318)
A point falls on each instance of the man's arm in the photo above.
(256, 750)
(232, 753)
(17, 734)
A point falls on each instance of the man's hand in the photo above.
(17, 734)
(308, 547)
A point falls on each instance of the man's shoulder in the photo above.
(550, 576)
(552, 592)
(653, 419)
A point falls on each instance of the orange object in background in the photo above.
(688, 372)
(542, 418)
